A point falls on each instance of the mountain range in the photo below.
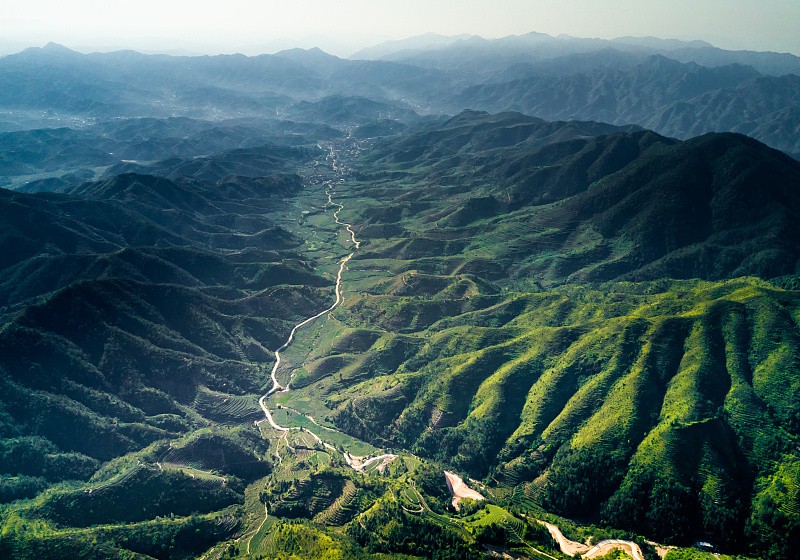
(274, 306)
(676, 89)
(540, 330)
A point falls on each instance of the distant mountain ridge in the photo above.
(672, 98)
(677, 89)
(541, 46)
(403, 47)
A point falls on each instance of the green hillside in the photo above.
(663, 406)
(599, 205)
(138, 316)
(580, 320)
(684, 388)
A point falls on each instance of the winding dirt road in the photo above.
(567, 546)
(276, 386)
(357, 463)
(266, 516)
(602, 548)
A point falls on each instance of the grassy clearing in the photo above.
(290, 418)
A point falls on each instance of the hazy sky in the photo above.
(342, 26)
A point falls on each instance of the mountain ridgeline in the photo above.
(679, 90)
(596, 318)
(562, 202)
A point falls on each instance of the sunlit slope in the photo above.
(500, 330)
(607, 398)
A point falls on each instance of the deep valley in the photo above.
(269, 332)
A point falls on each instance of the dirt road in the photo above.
(459, 489)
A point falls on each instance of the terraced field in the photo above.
(340, 511)
(227, 409)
